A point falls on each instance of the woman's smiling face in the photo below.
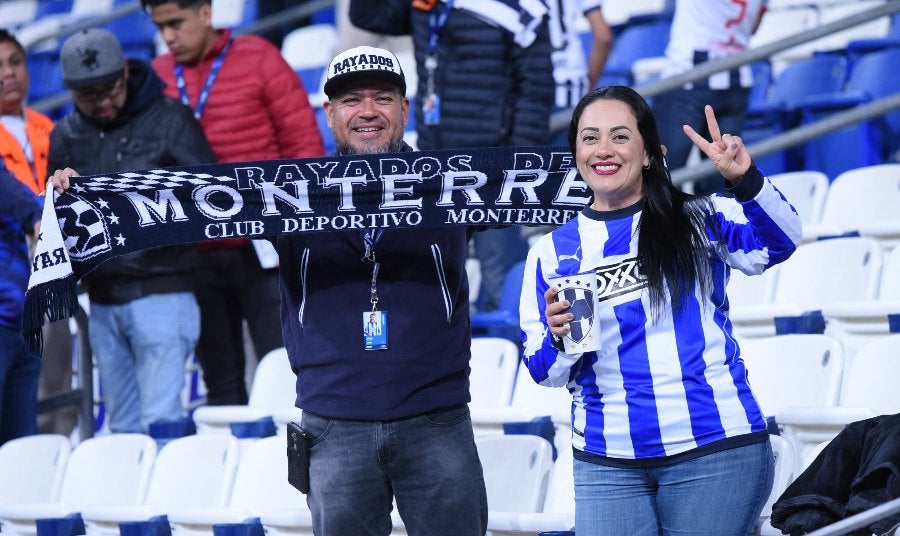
(610, 154)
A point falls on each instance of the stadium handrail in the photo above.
(750, 55)
(264, 24)
(860, 520)
(560, 119)
(798, 135)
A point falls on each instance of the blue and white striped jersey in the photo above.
(660, 388)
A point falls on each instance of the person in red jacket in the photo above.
(252, 106)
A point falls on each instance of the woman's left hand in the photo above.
(725, 151)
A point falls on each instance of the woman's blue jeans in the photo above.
(720, 494)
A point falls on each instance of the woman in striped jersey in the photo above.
(668, 437)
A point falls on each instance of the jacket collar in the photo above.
(224, 36)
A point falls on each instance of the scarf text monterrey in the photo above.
(103, 216)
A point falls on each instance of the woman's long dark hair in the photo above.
(672, 247)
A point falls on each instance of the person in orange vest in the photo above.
(24, 132)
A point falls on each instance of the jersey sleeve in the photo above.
(547, 365)
(757, 228)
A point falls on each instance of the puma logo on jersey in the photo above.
(575, 256)
(617, 279)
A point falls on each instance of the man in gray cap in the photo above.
(144, 320)
(385, 412)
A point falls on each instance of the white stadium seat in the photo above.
(806, 190)
(859, 322)
(794, 371)
(785, 470)
(107, 469)
(870, 386)
(260, 489)
(863, 200)
(194, 472)
(558, 513)
(272, 394)
(818, 273)
(516, 471)
(32, 468)
(494, 362)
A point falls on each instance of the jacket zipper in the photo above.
(304, 263)
(442, 279)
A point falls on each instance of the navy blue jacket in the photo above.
(494, 93)
(422, 285)
(19, 210)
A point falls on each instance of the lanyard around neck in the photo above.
(207, 86)
(436, 23)
(370, 240)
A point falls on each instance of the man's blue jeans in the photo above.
(429, 463)
(19, 374)
(720, 494)
(141, 348)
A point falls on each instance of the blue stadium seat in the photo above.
(636, 41)
(617, 78)
(53, 7)
(324, 16)
(411, 124)
(762, 82)
(859, 47)
(84, 10)
(872, 76)
(504, 321)
(817, 75)
(311, 77)
(327, 138)
(45, 74)
(251, 12)
(755, 130)
(136, 33)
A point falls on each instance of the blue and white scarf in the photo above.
(103, 216)
(519, 17)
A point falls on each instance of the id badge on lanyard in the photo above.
(374, 321)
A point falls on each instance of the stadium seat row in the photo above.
(199, 481)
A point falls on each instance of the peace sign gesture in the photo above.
(725, 151)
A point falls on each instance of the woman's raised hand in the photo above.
(725, 151)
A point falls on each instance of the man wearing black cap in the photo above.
(386, 414)
(144, 320)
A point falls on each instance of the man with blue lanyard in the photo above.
(386, 416)
(252, 106)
